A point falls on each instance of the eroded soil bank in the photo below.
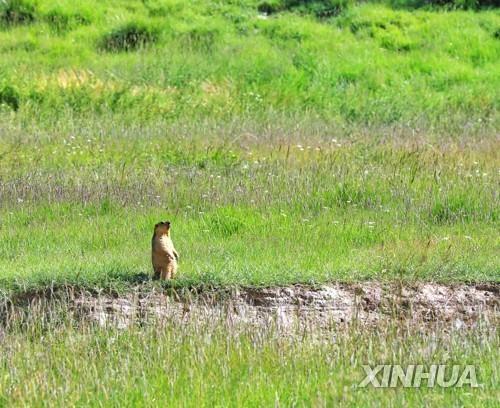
(320, 307)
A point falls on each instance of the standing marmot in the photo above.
(164, 255)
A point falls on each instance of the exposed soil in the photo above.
(369, 303)
(319, 308)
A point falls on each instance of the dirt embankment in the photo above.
(318, 308)
(368, 303)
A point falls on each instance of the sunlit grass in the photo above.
(299, 145)
(79, 206)
(369, 65)
(207, 362)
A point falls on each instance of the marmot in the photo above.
(164, 255)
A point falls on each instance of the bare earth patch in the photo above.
(369, 303)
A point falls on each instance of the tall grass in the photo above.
(217, 362)
(288, 206)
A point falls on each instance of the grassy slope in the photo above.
(371, 65)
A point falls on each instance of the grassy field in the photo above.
(213, 363)
(288, 142)
(80, 208)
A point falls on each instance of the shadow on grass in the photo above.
(134, 279)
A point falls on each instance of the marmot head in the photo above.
(162, 228)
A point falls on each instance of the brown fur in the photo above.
(164, 255)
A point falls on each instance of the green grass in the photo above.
(318, 141)
(285, 148)
(368, 65)
(209, 362)
(79, 208)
